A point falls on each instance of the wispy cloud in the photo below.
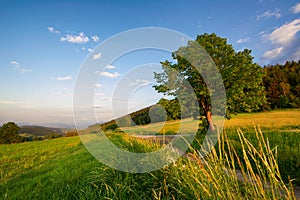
(15, 63)
(296, 8)
(52, 30)
(17, 67)
(110, 67)
(64, 78)
(20, 104)
(63, 92)
(77, 39)
(140, 82)
(272, 53)
(284, 43)
(7, 102)
(110, 75)
(97, 85)
(98, 107)
(99, 94)
(95, 38)
(242, 40)
(269, 14)
(96, 56)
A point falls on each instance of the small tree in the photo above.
(112, 127)
(71, 133)
(9, 133)
(242, 78)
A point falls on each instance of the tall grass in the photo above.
(223, 174)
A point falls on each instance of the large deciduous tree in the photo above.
(242, 78)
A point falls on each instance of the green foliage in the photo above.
(171, 107)
(111, 127)
(282, 83)
(242, 78)
(9, 133)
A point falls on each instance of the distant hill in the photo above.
(50, 125)
(40, 130)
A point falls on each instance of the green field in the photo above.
(63, 169)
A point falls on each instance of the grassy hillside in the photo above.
(279, 120)
(63, 169)
(280, 127)
(42, 170)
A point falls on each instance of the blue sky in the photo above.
(44, 43)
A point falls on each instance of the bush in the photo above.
(71, 133)
(111, 127)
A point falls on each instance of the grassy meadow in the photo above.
(254, 159)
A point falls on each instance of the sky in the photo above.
(44, 43)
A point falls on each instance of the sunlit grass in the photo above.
(170, 127)
(223, 174)
(248, 163)
(276, 119)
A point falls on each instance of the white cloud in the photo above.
(64, 78)
(269, 14)
(99, 94)
(98, 107)
(143, 82)
(52, 30)
(105, 74)
(262, 33)
(272, 53)
(284, 43)
(15, 63)
(97, 56)
(110, 75)
(285, 33)
(296, 8)
(77, 39)
(242, 40)
(97, 85)
(90, 50)
(95, 38)
(22, 71)
(110, 67)
(18, 68)
(8, 102)
(83, 48)
(140, 82)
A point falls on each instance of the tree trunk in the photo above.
(209, 121)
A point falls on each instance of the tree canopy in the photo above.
(242, 78)
(9, 133)
(282, 84)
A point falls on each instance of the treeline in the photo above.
(282, 84)
(10, 133)
(282, 90)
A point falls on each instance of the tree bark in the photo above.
(209, 120)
